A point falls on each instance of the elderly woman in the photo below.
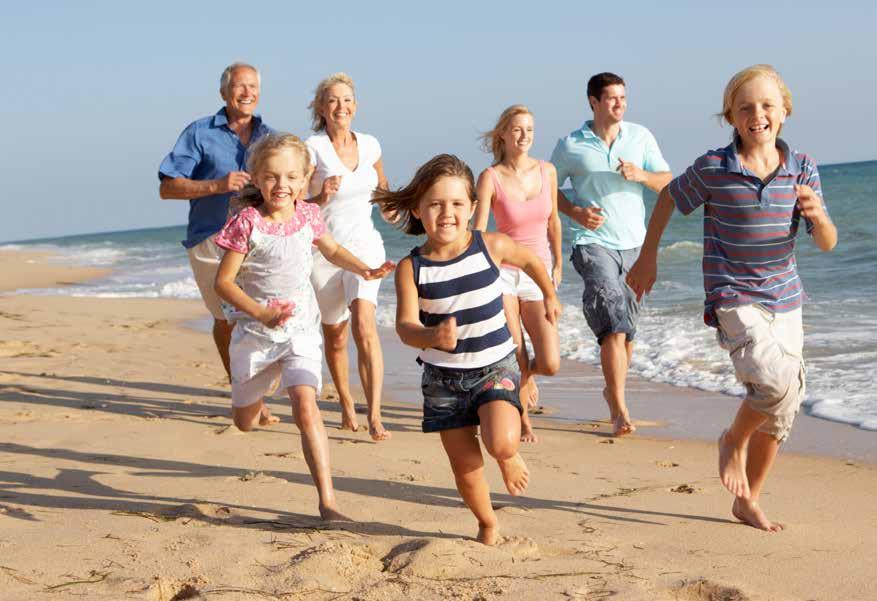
(347, 170)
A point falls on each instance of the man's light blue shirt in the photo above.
(592, 167)
(208, 149)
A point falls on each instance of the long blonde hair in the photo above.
(251, 196)
(747, 75)
(491, 141)
(318, 122)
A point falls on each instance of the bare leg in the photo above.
(464, 453)
(370, 361)
(315, 445)
(501, 434)
(615, 354)
(733, 447)
(245, 418)
(760, 457)
(335, 340)
(529, 393)
(222, 338)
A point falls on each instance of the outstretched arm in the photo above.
(408, 325)
(340, 256)
(644, 272)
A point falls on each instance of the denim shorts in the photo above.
(452, 397)
(609, 304)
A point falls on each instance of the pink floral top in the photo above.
(277, 266)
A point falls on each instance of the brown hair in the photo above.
(404, 200)
(745, 76)
(250, 196)
(491, 141)
(318, 122)
(600, 81)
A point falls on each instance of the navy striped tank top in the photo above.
(465, 287)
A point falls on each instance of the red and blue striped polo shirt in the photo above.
(749, 228)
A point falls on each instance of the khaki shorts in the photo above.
(204, 259)
(767, 352)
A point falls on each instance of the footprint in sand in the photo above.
(683, 488)
(230, 430)
(666, 464)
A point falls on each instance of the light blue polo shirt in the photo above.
(591, 167)
(208, 149)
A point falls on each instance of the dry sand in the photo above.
(121, 477)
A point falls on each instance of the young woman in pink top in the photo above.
(522, 192)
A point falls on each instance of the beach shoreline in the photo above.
(124, 478)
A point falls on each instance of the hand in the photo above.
(234, 182)
(330, 187)
(589, 217)
(379, 272)
(445, 335)
(557, 275)
(642, 276)
(810, 204)
(277, 312)
(553, 310)
(630, 172)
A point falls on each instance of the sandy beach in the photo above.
(123, 478)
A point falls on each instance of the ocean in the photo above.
(673, 344)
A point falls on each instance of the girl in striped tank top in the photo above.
(449, 305)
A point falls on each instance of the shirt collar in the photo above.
(790, 165)
(221, 118)
(587, 132)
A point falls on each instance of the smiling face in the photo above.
(519, 133)
(445, 210)
(281, 179)
(242, 94)
(611, 105)
(338, 106)
(757, 112)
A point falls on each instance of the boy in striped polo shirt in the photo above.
(754, 192)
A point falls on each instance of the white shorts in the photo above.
(766, 349)
(204, 259)
(517, 283)
(336, 289)
(292, 370)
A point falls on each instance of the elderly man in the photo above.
(206, 166)
(608, 162)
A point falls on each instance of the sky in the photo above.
(96, 93)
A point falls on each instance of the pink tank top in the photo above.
(525, 222)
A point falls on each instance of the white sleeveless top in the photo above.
(348, 213)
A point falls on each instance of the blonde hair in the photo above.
(491, 141)
(404, 200)
(318, 122)
(251, 196)
(747, 75)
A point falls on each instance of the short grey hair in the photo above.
(225, 78)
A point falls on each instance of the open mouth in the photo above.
(757, 129)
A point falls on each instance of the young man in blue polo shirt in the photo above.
(206, 166)
(608, 162)
(754, 192)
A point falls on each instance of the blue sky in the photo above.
(96, 93)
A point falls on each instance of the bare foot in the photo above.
(377, 431)
(487, 535)
(622, 425)
(527, 433)
(732, 467)
(266, 418)
(749, 512)
(348, 422)
(529, 393)
(330, 514)
(515, 474)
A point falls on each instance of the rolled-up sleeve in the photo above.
(184, 158)
(688, 191)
